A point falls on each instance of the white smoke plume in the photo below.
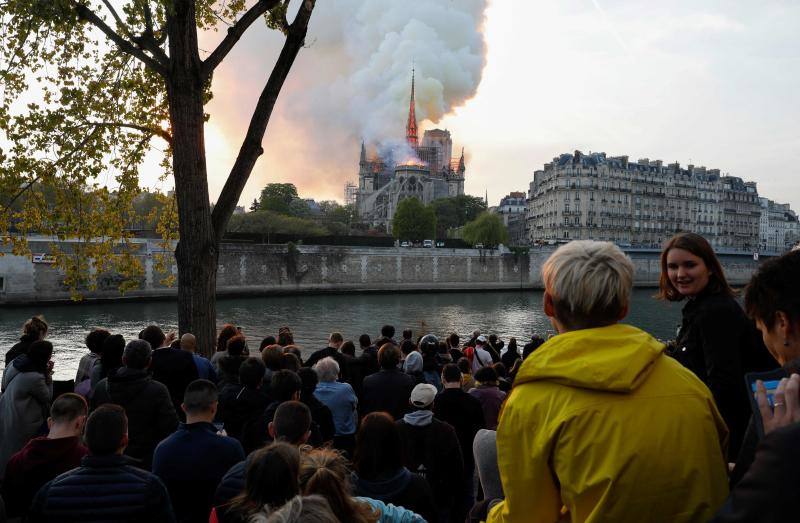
(353, 82)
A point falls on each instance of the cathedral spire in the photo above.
(363, 153)
(411, 126)
(461, 166)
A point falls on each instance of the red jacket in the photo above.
(39, 461)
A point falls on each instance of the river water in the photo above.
(313, 317)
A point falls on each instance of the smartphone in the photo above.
(219, 425)
(771, 380)
(771, 386)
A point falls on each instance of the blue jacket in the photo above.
(103, 488)
(191, 462)
(341, 399)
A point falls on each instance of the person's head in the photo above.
(364, 341)
(39, 354)
(308, 379)
(387, 331)
(690, 267)
(407, 334)
(107, 430)
(137, 354)
(335, 340)
(272, 356)
(451, 376)
(35, 328)
(388, 356)
(481, 340)
(112, 351)
(587, 284)
(251, 373)
(236, 345)
(379, 448)
(200, 401)
(266, 342)
(290, 361)
(285, 385)
(189, 342)
(67, 415)
(429, 345)
(492, 339)
(535, 343)
(327, 370)
(486, 376)
(407, 347)
(285, 337)
(324, 472)
(422, 396)
(772, 300)
(464, 366)
(294, 349)
(512, 345)
(348, 348)
(153, 335)
(271, 479)
(453, 340)
(227, 332)
(500, 369)
(291, 423)
(94, 340)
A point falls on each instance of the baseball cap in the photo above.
(423, 395)
(482, 338)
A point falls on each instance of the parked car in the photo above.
(440, 244)
(405, 244)
(427, 243)
(479, 246)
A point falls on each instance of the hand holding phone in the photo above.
(781, 408)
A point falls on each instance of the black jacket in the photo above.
(720, 344)
(322, 416)
(464, 413)
(401, 488)
(342, 359)
(238, 405)
(768, 492)
(176, 369)
(151, 415)
(433, 451)
(19, 348)
(387, 390)
(103, 488)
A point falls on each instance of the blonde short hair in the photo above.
(590, 283)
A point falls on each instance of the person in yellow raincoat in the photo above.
(601, 425)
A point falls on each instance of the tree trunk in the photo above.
(197, 252)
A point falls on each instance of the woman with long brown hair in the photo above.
(716, 340)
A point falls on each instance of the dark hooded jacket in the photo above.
(151, 415)
(20, 347)
(401, 488)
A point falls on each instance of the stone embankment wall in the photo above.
(247, 269)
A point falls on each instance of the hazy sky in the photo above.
(521, 81)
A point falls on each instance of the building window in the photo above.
(2, 284)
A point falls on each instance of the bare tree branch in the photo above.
(251, 146)
(155, 131)
(235, 32)
(90, 16)
(120, 24)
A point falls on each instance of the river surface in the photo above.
(313, 317)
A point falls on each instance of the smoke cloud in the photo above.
(351, 82)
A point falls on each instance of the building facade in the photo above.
(425, 170)
(779, 230)
(639, 204)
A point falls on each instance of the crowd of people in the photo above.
(601, 422)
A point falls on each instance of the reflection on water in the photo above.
(312, 318)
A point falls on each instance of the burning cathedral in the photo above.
(426, 171)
